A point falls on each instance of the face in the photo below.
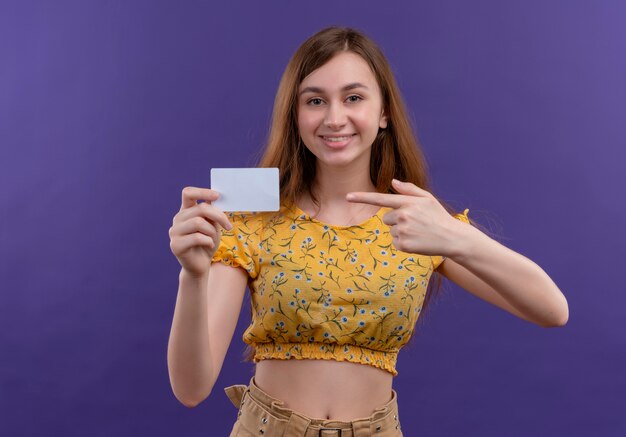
(340, 110)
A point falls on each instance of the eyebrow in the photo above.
(314, 89)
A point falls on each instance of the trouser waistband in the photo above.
(261, 413)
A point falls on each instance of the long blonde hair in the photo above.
(395, 151)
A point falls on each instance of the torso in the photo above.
(325, 389)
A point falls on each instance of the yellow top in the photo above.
(327, 292)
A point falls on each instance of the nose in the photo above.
(335, 116)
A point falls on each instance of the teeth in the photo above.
(336, 139)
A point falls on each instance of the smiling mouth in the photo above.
(337, 139)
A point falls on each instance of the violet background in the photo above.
(109, 108)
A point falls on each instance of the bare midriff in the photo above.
(325, 389)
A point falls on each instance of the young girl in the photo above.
(339, 276)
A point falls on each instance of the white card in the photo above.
(246, 189)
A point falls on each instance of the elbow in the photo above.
(190, 402)
(559, 320)
(555, 324)
(559, 316)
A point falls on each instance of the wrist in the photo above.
(465, 239)
(190, 277)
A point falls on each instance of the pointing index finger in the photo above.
(380, 199)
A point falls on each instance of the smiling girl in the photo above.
(339, 276)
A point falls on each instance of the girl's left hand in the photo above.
(418, 223)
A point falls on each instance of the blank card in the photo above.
(246, 189)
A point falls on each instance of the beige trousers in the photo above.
(262, 415)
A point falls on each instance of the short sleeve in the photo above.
(239, 246)
(462, 216)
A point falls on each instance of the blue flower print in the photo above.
(361, 323)
(344, 319)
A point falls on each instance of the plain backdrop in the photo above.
(109, 108)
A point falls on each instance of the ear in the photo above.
(383, 120)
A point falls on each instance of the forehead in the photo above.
(343, 68)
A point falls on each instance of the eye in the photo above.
(314, 102)
(354, 98)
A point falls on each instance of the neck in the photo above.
(333, 183)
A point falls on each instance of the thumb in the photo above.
(408, 188)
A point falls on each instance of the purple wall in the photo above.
(108, 109)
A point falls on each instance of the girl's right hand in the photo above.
(196, 230)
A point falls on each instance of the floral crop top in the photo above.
(330, 292)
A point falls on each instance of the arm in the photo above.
(503, 277)
(419, 224)
(205, 317)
